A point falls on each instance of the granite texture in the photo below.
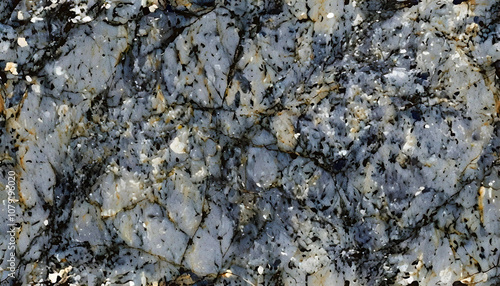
(250, 142)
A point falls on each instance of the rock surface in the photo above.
(210, 142)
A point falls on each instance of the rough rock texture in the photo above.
(241, 142)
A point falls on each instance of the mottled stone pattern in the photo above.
(252, 142)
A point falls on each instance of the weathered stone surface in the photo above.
(332, 142)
